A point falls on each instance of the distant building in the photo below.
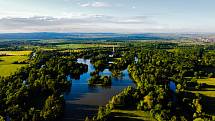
(112, 54)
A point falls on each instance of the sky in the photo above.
(119, 16)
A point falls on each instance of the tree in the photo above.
(1, 118)
(148, 99)
(197, 105)
(210, 75)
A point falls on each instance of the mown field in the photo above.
(6, 62)
(73, 46)
(131, 115)
(209, 95)
(15, 52)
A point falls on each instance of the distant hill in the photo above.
(85, 36)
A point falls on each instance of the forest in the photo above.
(153, 73)
(172, 81)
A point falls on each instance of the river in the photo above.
(83, 100)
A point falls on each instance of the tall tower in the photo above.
(112, 54)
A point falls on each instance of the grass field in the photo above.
(6, 66)
(73, 50)
(209, 93)
(73, 46)
(131, 115)
(15, 52)
(175, 50)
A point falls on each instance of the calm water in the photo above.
(84, 100)
(172, 86)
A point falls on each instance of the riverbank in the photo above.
(83, 100)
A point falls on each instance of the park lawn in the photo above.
(209, 93)
(15, 52)
(6, 66)
(131, 115)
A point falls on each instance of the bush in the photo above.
(1, 118)
(197, 87)
(194, 80)
(210, 75)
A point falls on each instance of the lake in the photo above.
(84, 100)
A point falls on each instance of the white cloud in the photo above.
(74, 23)
(79, 22)
(14, 14)
(95, 4)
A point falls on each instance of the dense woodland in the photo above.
(153, 72)
(35, 92)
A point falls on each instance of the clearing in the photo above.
(131, 115)
(6, 64)
(209, 95)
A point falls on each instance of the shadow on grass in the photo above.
(119, 114)
(204, 88)
(76, 112)
(129, 116)
(126, 119)
(209, 104)
(210, 86)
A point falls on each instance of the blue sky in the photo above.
(124, 16)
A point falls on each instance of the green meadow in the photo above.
(15, 52)
(6, 62)
(73, 46)
(209, 94)
(131, 115)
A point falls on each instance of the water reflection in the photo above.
(172, 86)
(82, 96)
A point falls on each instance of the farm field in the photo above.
(209, 93)
(15, 52)
(6, 64)
(73, 46)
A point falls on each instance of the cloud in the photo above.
(75, 23)
(72, 19)
(96, 4)
(79, 22)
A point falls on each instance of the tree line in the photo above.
(35, 92)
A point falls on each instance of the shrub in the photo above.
(210, 75)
